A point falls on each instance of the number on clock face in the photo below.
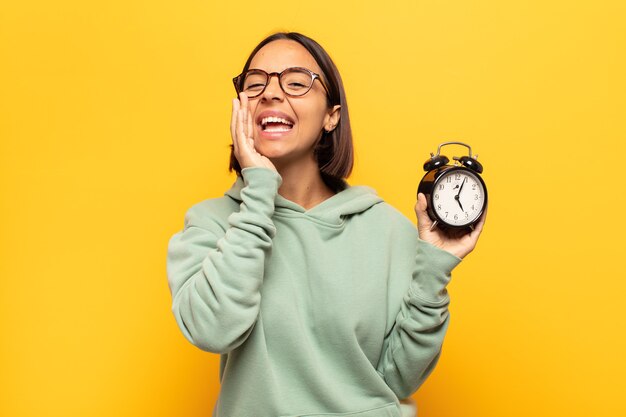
(458, 197)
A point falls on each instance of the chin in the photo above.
(272, 150)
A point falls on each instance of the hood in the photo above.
(350, 200)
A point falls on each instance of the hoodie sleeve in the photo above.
(412, 348)
(214, 276)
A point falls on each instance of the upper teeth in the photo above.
(272, 119)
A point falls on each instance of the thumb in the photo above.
(423, 221)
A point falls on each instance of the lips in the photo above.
(274, 122)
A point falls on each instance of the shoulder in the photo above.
(386, 225)
(393, 218)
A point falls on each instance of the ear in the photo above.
(332, 118)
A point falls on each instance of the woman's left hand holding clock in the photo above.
(457, 242)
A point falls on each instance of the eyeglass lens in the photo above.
(294, 82)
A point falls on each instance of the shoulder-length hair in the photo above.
(334, 152)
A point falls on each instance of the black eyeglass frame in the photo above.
(238, 79)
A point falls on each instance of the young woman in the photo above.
(322, 299)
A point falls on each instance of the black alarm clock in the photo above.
(456, 194)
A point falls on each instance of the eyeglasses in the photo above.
(294, 82)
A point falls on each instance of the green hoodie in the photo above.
(337, 310)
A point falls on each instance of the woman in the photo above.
(321, 298)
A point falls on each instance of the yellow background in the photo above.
(114, 120)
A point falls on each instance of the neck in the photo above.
(303, 184)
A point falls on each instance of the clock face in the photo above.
(458, 197)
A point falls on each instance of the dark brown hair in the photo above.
(334, 152)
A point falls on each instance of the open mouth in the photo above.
(275, 124)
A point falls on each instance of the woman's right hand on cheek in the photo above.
(241, 130)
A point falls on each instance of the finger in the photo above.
(250, 125)
(244, 106)
(481, 223)
(233, 124)
(420, 210)
(478, 228)
(421, 201)
(244, 100)
(244, 122)
(241, 136)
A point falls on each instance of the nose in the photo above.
(273, 90)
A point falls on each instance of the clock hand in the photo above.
(457, 196)
(462, 184)
(458, 200)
